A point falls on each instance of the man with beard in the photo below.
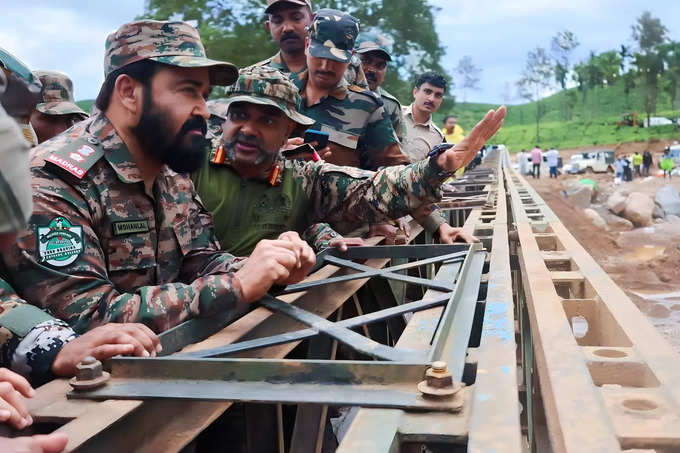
(57, 110)
(373, 49)
(118, 233)
(287, 22)
(422, 134)
(254, 194)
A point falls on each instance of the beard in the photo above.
(262, 156)
(183, 153)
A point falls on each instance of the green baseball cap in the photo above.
(332, 34)
(57, 95)
(272, 3)
(172, 43)
(369, 41)
(266, 86)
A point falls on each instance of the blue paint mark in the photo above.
(496, 322)
(483, 397)
(505, 369)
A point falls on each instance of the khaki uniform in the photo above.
(421, 138)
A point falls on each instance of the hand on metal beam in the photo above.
(283, 261)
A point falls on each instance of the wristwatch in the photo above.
(434, 154)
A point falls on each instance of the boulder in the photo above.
(658, 213)
(619, 223)
(616, 202)
(579, 195)
(639, 208)
(596, 218)
(668, 200)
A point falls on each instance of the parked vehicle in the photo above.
(596, 161)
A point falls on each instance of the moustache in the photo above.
(193, 123)
(248, 140)
(429, 104)
(289, 35)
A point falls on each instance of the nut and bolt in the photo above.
(438, 381)
(89, 374)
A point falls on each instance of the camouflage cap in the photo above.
(267, 86)
(369, 41)
(57, 95)
(172, 43)
(332, 34)
(272, 3)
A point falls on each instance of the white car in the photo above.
(596, 161)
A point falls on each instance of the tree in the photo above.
(536, 79)
(610, 64)
(649, 33)
(670, 53)
(561, 47)
(235, 31)
(468, 74)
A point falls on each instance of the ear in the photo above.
(267, 26)
(415, 90)
(307, 45)
(129, 92)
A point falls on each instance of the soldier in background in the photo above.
(287, 22)
(360, 132)
(118, 233)
(57, 110)
(373, 50)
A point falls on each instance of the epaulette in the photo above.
(367, 92)
(76, 157)
(387, 95)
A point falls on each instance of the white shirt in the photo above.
(551, 157)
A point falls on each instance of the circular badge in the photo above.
(60, 243)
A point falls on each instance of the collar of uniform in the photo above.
(277, 62)
(116, 152)
(408, 111)
(338, 92)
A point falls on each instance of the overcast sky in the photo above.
(69, 35)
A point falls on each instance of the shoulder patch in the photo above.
(77, 157)
(60, 243)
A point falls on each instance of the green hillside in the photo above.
(569, 120)
(85, 104)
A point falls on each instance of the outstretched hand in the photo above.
(463, 153)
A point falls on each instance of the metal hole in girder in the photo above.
(579, 326)
(639, 404)
(610, 353)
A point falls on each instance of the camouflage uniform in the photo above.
(57, 95)
(100, 248)
(246, 211)
(29, 338)
(359, 128)
(375, 42)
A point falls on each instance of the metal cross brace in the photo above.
(388, 273)
(335, 330)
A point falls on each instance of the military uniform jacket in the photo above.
(30, 339)
(101, 249)
(393, 109)
(246, 211)
(359, 128)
